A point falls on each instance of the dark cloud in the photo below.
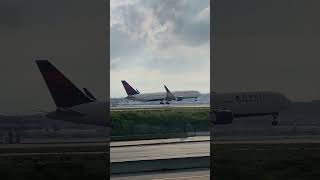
(160, 38)
(182, 14)
(195, 33)
(122, 45)
(130, 38)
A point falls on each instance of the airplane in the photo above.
(71, 103)
(227, 106)
(135, 95)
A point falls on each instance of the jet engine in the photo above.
(223, 117)
(179, 98)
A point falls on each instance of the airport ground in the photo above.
(189, 174)
(265, 157)
(265, 160)
(54, 161)
(258, 158)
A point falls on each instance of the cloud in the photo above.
(152, 80)
(169, 37)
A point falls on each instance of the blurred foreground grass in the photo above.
(130, 122)
(265, 161)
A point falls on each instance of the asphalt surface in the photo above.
(267, 140)
(156, 107)
(154, 149)
(160, 141)
(191, 174)
(160, 151)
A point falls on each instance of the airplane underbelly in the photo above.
(253, 109)
(249, 108)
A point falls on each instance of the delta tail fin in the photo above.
(130, 90)
(169, 95)
(63, 91)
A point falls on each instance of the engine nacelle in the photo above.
(223, 117)
(179, 98)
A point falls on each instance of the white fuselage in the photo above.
(162, 95)
(250, 103)
(94, 113)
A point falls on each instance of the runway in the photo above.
(159, 141)
(191, 174)
(157, 107)
(157, 148)
(53, 149)
(315, 139)
(55, 160)
(158, 155)
(172, 148)
(160, 151)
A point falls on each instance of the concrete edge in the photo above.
(158, 143)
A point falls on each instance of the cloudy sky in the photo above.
(260, 45)
(157, 42)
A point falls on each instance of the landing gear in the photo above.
(275, 119)
(195, 99)
(274, 122)
(161, 102)
(167, 102)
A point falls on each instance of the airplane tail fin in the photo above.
(130, 90)
(63, 91)
(169, 95)
(89, 94)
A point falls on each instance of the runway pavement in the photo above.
(156, 155)
(160, 151)
(197, 147)
(158, 148)
(154, 149)
(160, 141)
(157, 107)
(191, 174)
(61, 148)
(267, 139)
